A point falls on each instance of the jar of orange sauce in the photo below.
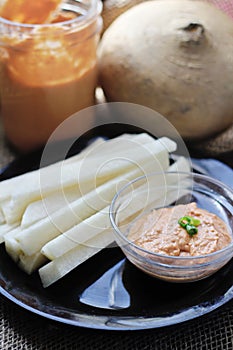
(48, 71)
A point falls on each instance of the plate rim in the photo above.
(185, 315)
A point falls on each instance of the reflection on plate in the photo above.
(107, 291)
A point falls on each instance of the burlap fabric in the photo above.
(22, 331)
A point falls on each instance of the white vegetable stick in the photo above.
(5, 228)
(78, 234)
(47, 182)
(40, 209)
(31, 263)
(4, 205)
(13, 233)
(2, 217)
(13, 248)
(181, 165)
(35, 237)
(98, 141)
(15, 205)
(7, 187)
(58, 268)
(11, 245)
(27, 263)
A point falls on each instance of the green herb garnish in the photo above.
(190, 224)
(191, 230)
(184, 221)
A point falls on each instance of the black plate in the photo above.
(107, 291)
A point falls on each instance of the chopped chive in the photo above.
(190, 224)
(184, 221)
(191, 230)
(194, 222)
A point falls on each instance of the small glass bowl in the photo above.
(162, 190)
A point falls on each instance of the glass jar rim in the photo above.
(91, 14)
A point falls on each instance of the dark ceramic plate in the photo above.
(107, 291)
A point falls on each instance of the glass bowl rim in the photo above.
(163, 256)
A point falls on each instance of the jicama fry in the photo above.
(92, 225)
(13, 233)
(31, 179)
(181, 165)
(85, 230)
(2, 217)
(58, 268)
(32, 239)
(11, 245)
(4, 229)
(40, 209)
(31, 263)
(7, 187)
(27, 263)
(94, 144)
(47, 182)
(13, 248)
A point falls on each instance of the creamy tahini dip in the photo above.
(160, 232)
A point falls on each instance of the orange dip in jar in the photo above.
(48, 70)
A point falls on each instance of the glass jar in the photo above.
(48, 72)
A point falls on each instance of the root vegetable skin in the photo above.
(114, 8)
(175, 57)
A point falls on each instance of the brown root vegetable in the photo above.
(175, 57)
